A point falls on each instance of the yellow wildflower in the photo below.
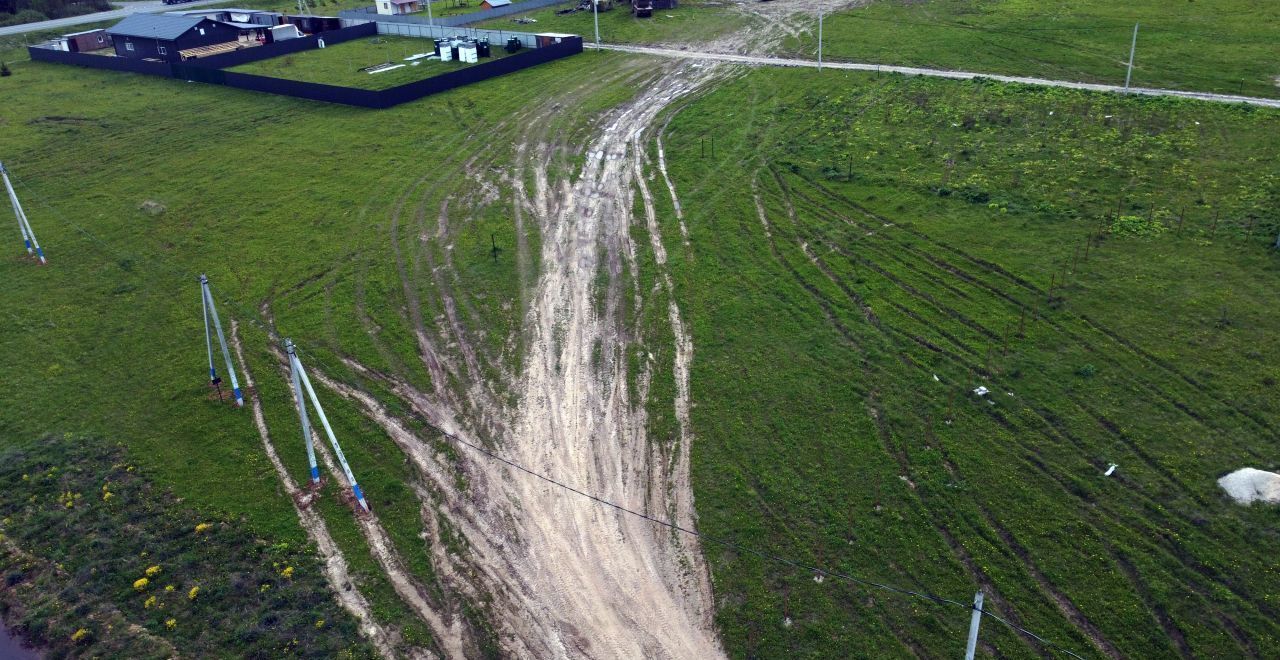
(141, 583)
(287, 572)
(152, 570)
(27, 477)
(171, 624)
(203, 527)
(79, 635)
(191, 595)
(168, 587)
(106, 495)
(319, 623)
(149, 602)
(264, 587)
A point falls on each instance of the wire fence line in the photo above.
(267, 325)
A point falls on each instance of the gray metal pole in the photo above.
(294, 368)
(974, 622)
(333, 440)
(217, 326)
(17, 208)
(430, 21)
(595, 12)
(28, 234)
(1133, 47)
(819, 41)
(208, 337)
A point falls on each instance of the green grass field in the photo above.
(1226, 46)
(863, 252)
(108, 341)
(341, 64)
(921, 238)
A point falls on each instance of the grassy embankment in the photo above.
(1226, 46)
(340, 64)
(282, 202)
(925, 238)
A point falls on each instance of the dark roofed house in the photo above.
(163, 36)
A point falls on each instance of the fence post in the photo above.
(974, 621)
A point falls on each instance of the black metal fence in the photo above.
(212, 70)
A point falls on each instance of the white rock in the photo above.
(1248, 485)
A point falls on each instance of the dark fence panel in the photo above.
(473, 74)
(364, 98)
(268, 51)
(100, 61)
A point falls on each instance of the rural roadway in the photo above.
(125, 9)
(937, 73)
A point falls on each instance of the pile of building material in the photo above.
(1248, 485)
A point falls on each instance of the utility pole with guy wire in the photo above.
(295, 365)
(302, 414)
(974, 621)
(28, 235)
(1133, 47)
(206, 297)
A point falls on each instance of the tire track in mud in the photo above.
(1145, 357)
(1108, 427)
(1048, 425)
(335, 564)
(567, 578)
(884, 434)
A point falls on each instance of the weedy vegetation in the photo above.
(99, 561)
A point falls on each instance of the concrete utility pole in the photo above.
(430, 21)
(296, 365)
(302, 413)
(595, 11)
(207, 296)
(1132, 48)
(974, 622)
(28, 236)
(819, 41)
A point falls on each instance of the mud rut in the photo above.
(560, 576)
(550, 573)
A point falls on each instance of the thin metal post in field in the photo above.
(1133, 47)
(975, 620)
(819, 41)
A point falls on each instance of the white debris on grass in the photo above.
(1248, 485)
(981, 390)
(1110, 469)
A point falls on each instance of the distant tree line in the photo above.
(13, 12)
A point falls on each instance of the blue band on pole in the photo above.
(315, 474)
(213, 373)
(40, 251)
(28, 242)
(239, 396)
(359, 495)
